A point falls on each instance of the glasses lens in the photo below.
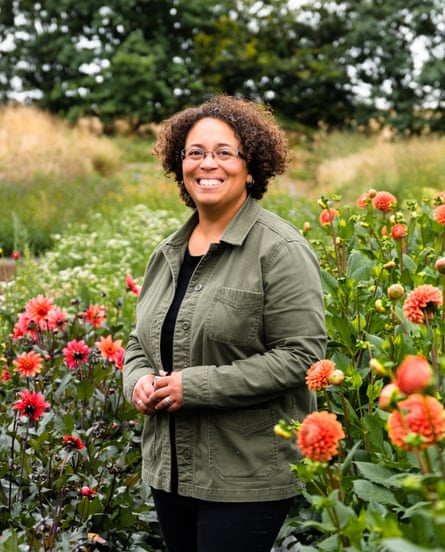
(193, 154)
(225, 153)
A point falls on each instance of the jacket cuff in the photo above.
(195, 387)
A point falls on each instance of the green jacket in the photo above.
(250, 325)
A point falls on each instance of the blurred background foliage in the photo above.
(339, 62)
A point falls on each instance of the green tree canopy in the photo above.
(144, 59)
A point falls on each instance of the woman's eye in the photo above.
(195, 153)
(224, 153)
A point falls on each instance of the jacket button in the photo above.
(187, 454)
(185, 325)
(198, 287)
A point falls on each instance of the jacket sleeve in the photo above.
(294, 336)
(136, 365)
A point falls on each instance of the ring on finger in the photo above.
(139, 402)
(168, 400)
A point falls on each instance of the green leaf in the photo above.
(374, 472)
(369, 492)
(84, 390)
(402, 545)
(330, 284)
(358, 267)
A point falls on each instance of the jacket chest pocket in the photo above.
(234, 316)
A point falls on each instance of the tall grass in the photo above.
(52, 175)
(408, 168)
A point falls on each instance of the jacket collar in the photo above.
(234, 234)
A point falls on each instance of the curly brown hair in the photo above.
(262, 141)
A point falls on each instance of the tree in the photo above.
(380, 37)
(80, 56)
(144, 59)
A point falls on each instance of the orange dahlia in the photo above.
(384, 201)
(319, 373)
(28, 364)
(109, 349)
(421, 303)
(417, 415)
(319, 436)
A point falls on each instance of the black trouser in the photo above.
(192, 525)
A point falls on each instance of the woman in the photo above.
(230, 317)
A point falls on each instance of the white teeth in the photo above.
(209, 182)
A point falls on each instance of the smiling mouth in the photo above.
(209, 182)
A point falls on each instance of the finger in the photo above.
(158, 382)
(164, 403)
(168, 401)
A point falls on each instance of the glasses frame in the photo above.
(237, 153)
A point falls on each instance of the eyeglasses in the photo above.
(226, 153)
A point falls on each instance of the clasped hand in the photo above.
(153, 394)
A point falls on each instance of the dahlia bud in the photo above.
(395, 291)
(372, 193)
(377, 367)
(440, 265)
(88, 491)
(389, 396)
(390, 265)
(414, 374)
(281, 429)
(336, 377)
(306, 226)
(379, 306)
(398, 231)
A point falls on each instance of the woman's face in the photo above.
(215, 182)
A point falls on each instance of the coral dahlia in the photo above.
(38, 308)
(28, 364)
(319, 373)
(439, 214)
(319, 436)
(384, 201)
(421, 303)
(417, 415)
(327, 215)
